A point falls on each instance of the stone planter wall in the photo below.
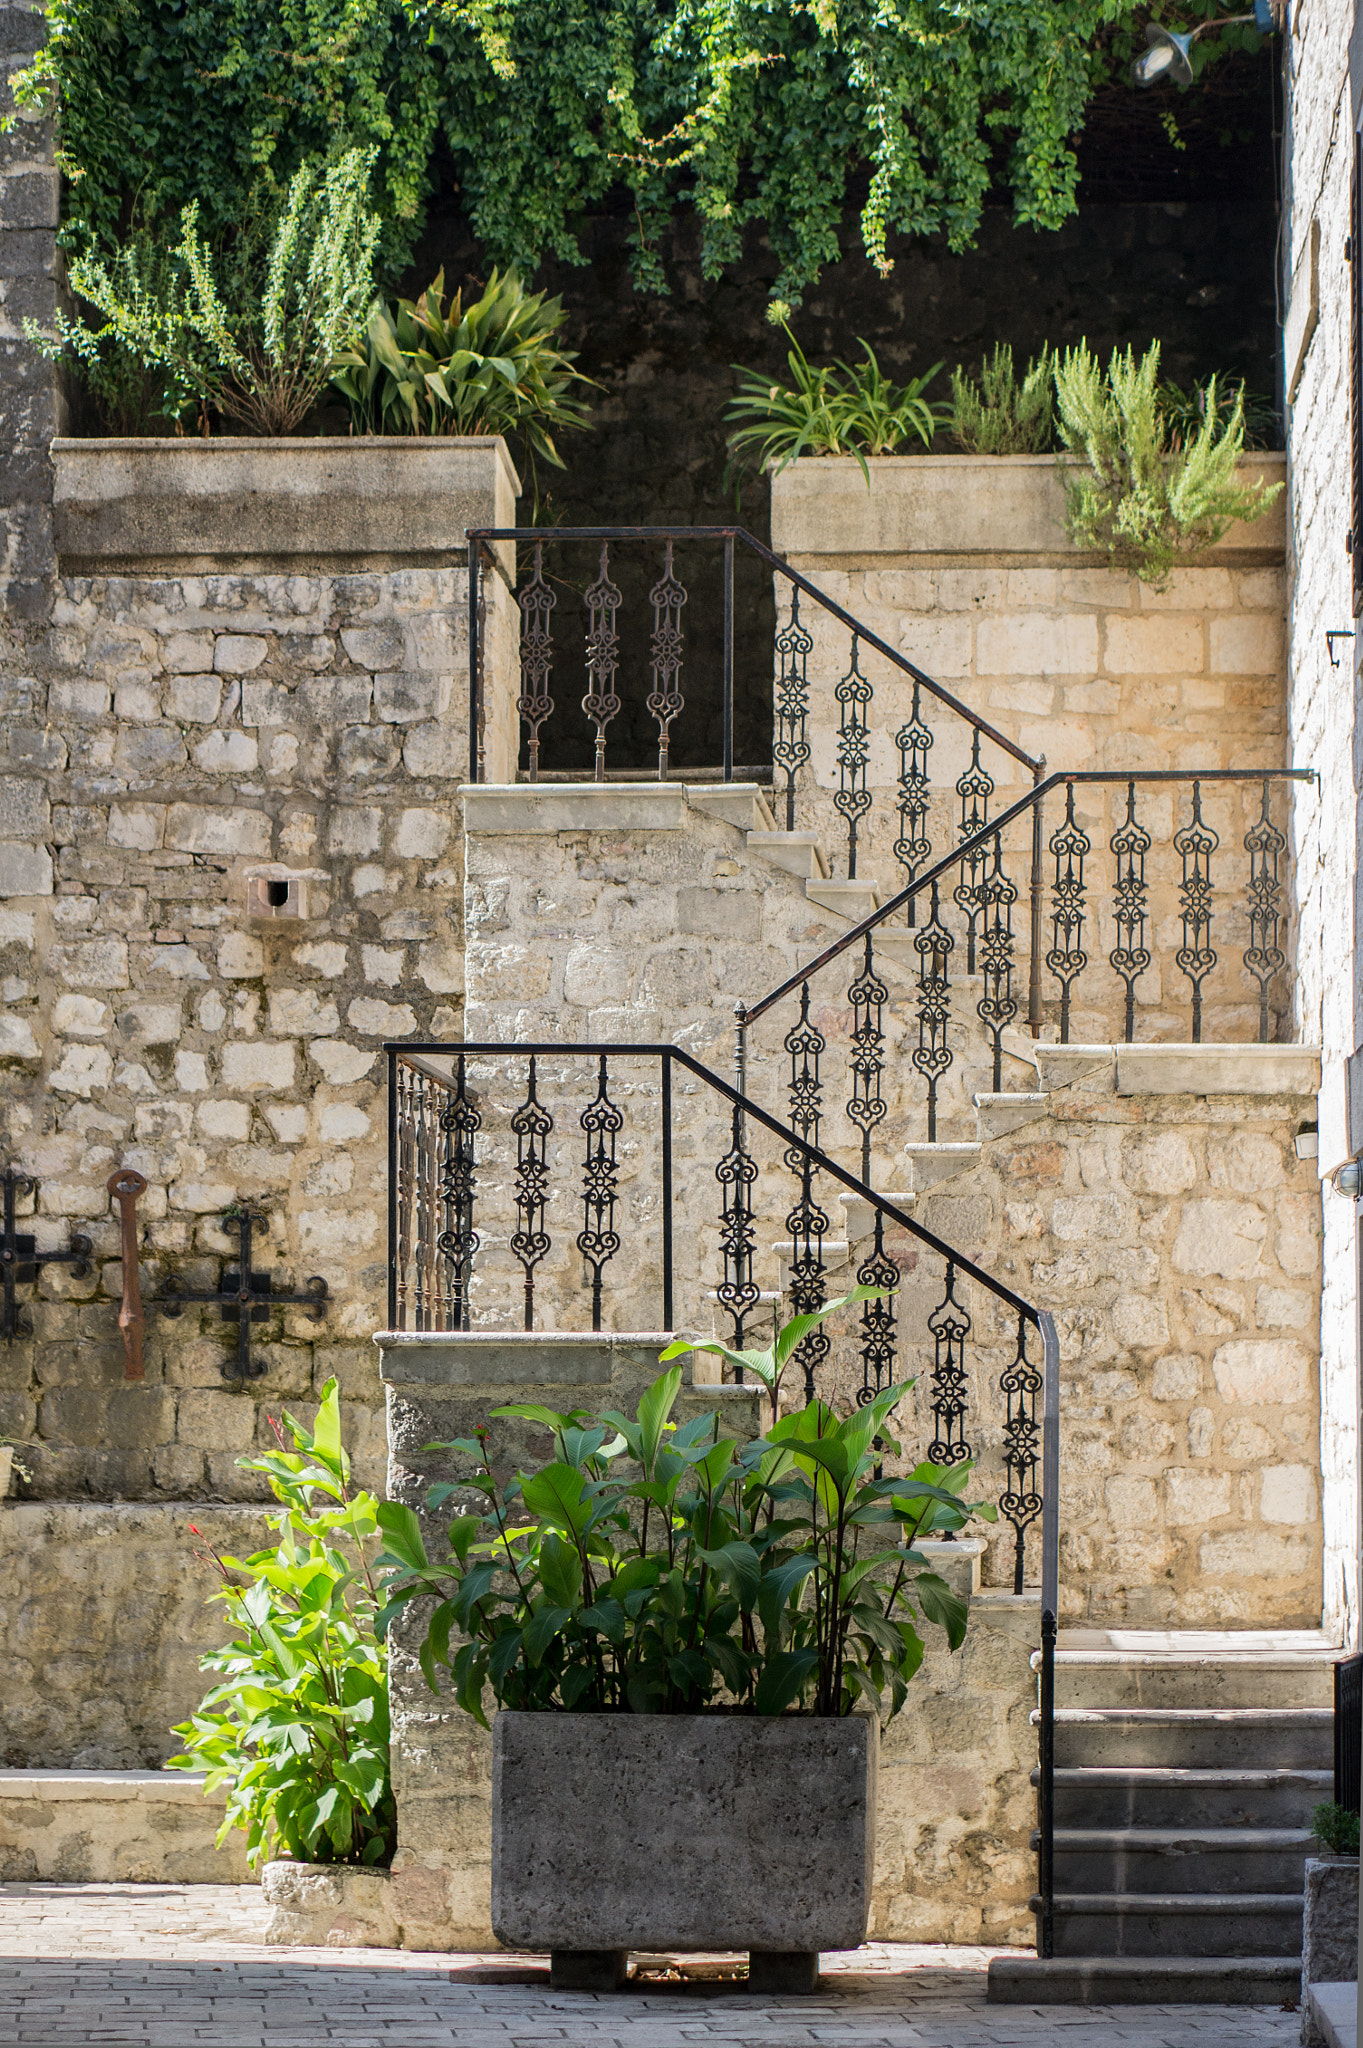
(1329, 1949)
(329, 1905)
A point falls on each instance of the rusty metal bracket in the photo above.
(126, 1186)
(21, 1261)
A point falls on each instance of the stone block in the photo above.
(420, 835)
(238, 654)
(440, 966)
(202, 828)
(25, 870)
(1029, 643)
(136, 826)
(733, 914)
(188, 654)
(1162, 644)
(403, 696)
(340, 1063)
(329, 1905)
(24, 809)
(150, 1024)
(1195, 1497)
(214, 1421)
(1158, 1163)
(1287, 1493)
(355, 829)
(1255, 1554)
(1262, 1371)
(1226, 1239)
(195, 700)
(226, 753)
(256, 1063)
(91, 963)
(295, 1012)
(381, 1020)
(1329, 1926)
(780, 1860)
(375, 647)
(1248, 644)
(241, 957)
(265, 703)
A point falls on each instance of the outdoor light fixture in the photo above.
(1169, 54)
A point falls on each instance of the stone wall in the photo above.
(29, 407)
(1321, 109)
(174, 727)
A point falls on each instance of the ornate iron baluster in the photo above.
(853, 799)
(791, 748)
(932, 1055)
(424, 1289)
(458, 1241)
(532, 1124)
(877, 1319)
(1196, 843)
(866, 1108)
(1067, 958)
(603, 651)
(1020, 1503)
(913, 846)
(950, 1326)
(997, 1007)
(736, 1172)
(1264, 958)
(974, 787)
(598, 1240)
(537, 602)
(406, 1081)
(807, 1222)
(665, 699)
(1130, 956)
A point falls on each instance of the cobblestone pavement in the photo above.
(169, 1966)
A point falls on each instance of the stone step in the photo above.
(1193, 1668)
(798, 853)
(1284, 1738)
(1161, 1797)
(1176, 1923)
(743, 804)
(861, 1217)
(852, 900)
(115, 1827)
(996, 1115)
(1119, 1861)
(929, 1164)
(1133, 1980)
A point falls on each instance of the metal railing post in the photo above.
(475, 660)
(667, 1193)
(1034, 964)
(728, 657)
(1050, 1614)
(392, 1190)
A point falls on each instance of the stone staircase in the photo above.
(1187, 1764)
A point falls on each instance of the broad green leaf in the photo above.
(741, 1567)
(554, 1493)
(783, 1679)
(561, 1571)
(655, 1408)
(546, 1622)
(941, 1605)
(402, 1535)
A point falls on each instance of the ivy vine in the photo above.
(766, 112)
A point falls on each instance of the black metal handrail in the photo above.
(791, 750)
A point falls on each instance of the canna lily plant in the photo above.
(657, 1566)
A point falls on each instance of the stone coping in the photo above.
(939, 509)
(374, 501)
(1172, 1069)
(526, 1358)
(1334, 2008)
(156, 1788)
(512, 809)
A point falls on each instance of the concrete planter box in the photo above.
(1329, 1932)
(952, 508)
(613, 1832)
(370, 501)
(329, 1905)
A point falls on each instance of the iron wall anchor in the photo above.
(127, 1187)
(21, 1261)
(244, 1297)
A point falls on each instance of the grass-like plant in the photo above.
(842, 409)
(297, 1730)
(493, 366)
(655, 1567)
(1144, 497)
(1000, 415)
(249, 334)
(1336, 1828)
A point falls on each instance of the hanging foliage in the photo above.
(772, 113)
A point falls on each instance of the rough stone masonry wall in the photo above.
(1321, 704)
(29, 202)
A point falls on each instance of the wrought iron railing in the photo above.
(488, 1141)
(1155, 915)
(601, 604)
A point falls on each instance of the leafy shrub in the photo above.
(492, 367)
(251, 335)
(1000, 416)
(1143, 499)
(845, 409)
(1184, 411)
(653, 1567)
(297, 1731)
(1336, 1828)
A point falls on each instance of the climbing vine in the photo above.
(769, 112)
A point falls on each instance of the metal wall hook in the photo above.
(21, 1261)
(127, 1187)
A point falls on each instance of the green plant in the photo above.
(768, 1366)
(1141, 498)
(19, 1465)
(1336, 1828)
(492, 367)
(845, 409)
(1000, 416)
(749, 115)
(251, 335)
(653, 1567)
(297, 1731)
(1185, 411)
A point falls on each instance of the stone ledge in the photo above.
(546, 807)
(115, 1827)
(145, 507)
(541, 1358)
(150, 1788)
(928, 509)
(1216, 1069)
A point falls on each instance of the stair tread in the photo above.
(1182, 1717)
(1188, 1775)
(1172, 1902)
(1178, 1838)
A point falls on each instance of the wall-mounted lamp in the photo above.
(1169, 55)
(1332, 634)
(1347, 1178)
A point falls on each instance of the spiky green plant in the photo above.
(1000, 416)
(1142, 497)
(844, 409)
